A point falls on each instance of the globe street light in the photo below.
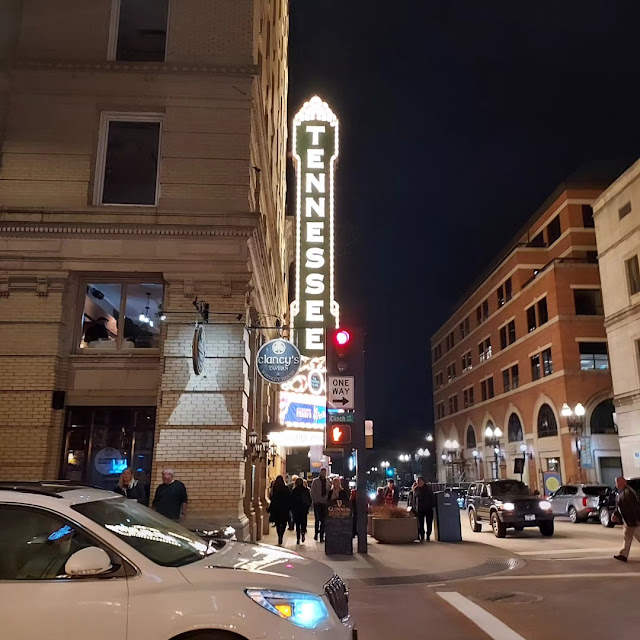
(575, 421)
(492, 438)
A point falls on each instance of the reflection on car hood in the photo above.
(274, 564)
(510, 497)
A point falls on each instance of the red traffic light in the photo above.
(342, 337)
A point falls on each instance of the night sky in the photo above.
(457, 120)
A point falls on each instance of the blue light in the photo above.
(308, 613)
(307, 610)
(60, 533)
(118, 466)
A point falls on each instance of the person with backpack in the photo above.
(300, 505)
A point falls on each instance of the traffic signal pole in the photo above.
(361, 478)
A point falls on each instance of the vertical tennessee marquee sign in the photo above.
(315, 152)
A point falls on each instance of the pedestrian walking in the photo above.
(130, 488)
(391, 494)
(319, 496)
(291, 487)
(422, 503)
(378, 501)
(170, 499)
(628, 513)
(337, 491)
(300, 505)
(279, 508)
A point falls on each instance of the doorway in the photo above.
(610, 469)
(99, 443)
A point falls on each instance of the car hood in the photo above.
(508, 497)
(271, 567)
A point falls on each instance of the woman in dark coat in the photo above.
(130, 488)
(300, 504)
(279, 507)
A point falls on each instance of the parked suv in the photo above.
(80, 562)
(507, 504)
(578, 501)
(607, 504)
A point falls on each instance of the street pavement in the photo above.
(566, 586)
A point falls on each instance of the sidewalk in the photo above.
(404, 564)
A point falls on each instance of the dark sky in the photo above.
(457, 119)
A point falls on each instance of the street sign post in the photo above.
(341, 392)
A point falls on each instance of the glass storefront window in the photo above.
(101, 442)
(104, 327)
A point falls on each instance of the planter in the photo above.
(395, 530)
(370, 524)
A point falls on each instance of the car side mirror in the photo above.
(90, 561)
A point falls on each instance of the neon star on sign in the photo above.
(315, 151)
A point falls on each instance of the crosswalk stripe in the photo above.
(494, 628)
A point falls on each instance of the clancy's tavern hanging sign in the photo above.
(315, 152)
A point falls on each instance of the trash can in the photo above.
(447, 517)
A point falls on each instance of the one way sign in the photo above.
(340, 392)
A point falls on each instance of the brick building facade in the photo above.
(527, 339)
(143, 154)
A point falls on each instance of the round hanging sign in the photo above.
(198, 349)
(278, 361)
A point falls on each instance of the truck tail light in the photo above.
(584, 502)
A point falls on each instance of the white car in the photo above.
(78, 563)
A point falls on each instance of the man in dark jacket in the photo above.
(422, 505)
(628, 512)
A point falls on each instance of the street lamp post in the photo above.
(525, 454)
(575, 420)
(451, 448)
(492, 438)
(476, 456)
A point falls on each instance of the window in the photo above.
(553, 230)
(471, 438)
(593, 356)
(437, 352)
(508, 290)
(467, 397)
(127, 167)
(485, 310)
(633, 275)
(464, 328)
(439, 379)
(535, 367)
(486, 389)
(449, 341)
(587, 217)
(104, 326)
(511, 332)
(479, 316)
(531, 319)
(624, 210)
(36, 545)
(601, 421)
(537, 241)
(453, 404)
(440, 410)
(543, 312)
(451, 372)
(503, 337)
(588, 302)
(484, 350)
(142, 30)
(547, 425)
(483, 390)
(506, 382)
(487, 348)
(515, 377)
(490, 392)
(500, 295)
(547, 362)
(514, 430)
(466, 361)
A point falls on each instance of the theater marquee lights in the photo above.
(315, 151)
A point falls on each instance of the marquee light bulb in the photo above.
(342, 337)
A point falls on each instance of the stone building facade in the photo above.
(617, 217)
(142, 166)
(528, 338)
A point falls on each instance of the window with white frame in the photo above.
(138, 30)
(127, 162)
(121, 315)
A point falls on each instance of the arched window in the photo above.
(491, 426)
(471, 438)
(602, 418)
(547, 425)
(515, 428)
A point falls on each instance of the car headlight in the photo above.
(302, 609)
(508, 506)
(545, 505)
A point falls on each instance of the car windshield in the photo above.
(595, 490)
(510, 487)
(161, 540)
